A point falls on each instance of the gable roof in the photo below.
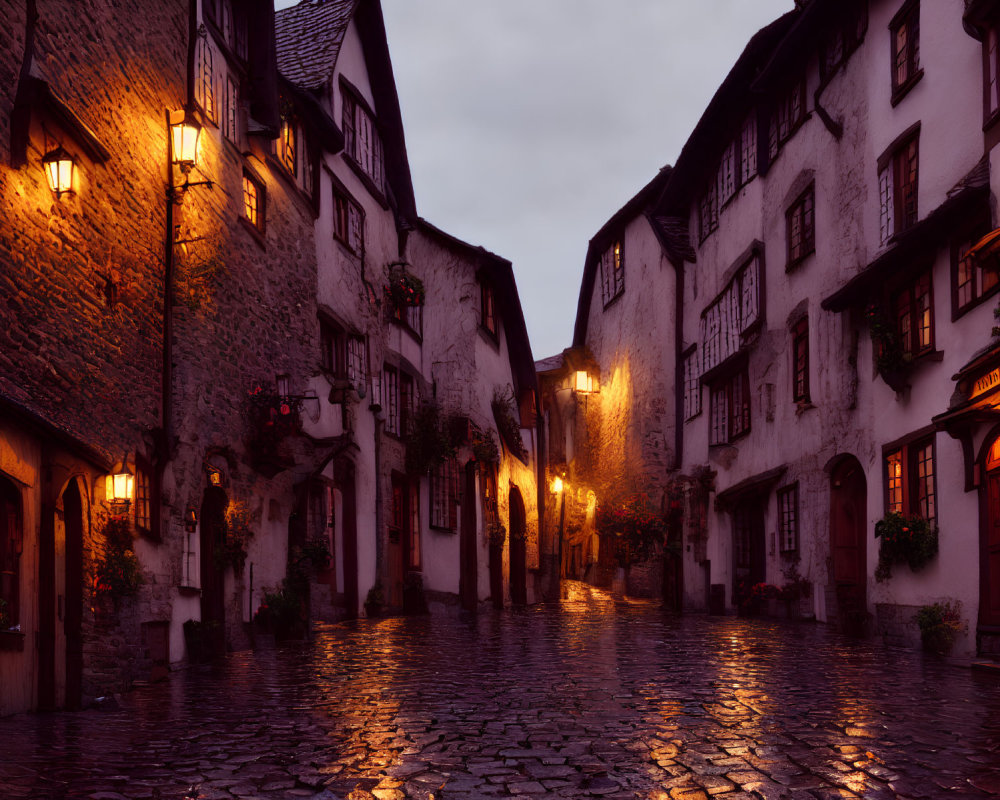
(501, 275)
(309, 37)
(602, 241)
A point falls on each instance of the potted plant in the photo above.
(414, 601)
(940, 624)
(890, 360)
(116, 571)
(402, 288)
(270, 419)
(281, 613)
(904, 540)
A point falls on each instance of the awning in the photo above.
(757, 485)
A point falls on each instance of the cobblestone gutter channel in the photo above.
(590, 698)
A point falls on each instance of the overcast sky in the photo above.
(530, 122)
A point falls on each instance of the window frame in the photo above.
(851, 30)
(922, 279)
(612, 267)
(287, 146)
(444, 496)
(977, 274)
(344, 205)
(692, 383)
(147, 523)
(204, 81)
(788, 113)
(907, 453)
(800, 361)
(788, 518)
(991, 76)
(896, 214)
(732, 420)
(488, 320)
(231, 110)
(258, 227)
(802, 212)
(906, 19)
(12, 547)
(363, 146)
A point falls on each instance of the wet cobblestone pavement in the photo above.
(591, 698)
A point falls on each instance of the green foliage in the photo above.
(940, 624)
(889, 355)
(116, 571)
(281, 612)
(484, 446)
(638, 529)
(508, 422)
(904, 540)
(430, 440)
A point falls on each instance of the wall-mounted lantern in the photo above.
(585, 383)
(184, 135)
(215, 475)
(119, 486)
(191, 519)
(59, 167)
(557, 485)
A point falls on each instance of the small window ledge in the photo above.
(899, 92)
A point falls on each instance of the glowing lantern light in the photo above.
(59, 166)
(584, 382)
(557, 485)
(190, 520)
(119, 488)
(184, 132)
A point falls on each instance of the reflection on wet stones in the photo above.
(595, 697)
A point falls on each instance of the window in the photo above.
(801, 227)
(407, 403)
(708, 212)
(788, 113)
(800, 361)
(991, 70)
(914, 317)
(970, 281)
(361, 139)
(253, 201)
(843, 38)
(287, 146)
(730, 408)
(342, 355)
(905, 32)
(788, 518)
(692, 385)
(11, 545)
(898, 189)
(748, 149)
(204, 86)
(231, 119)
(348, 222)
(444, 495)
(144, 505)
(742, 526)
(390, 398)
(731, 315)
(910, 479)
(612, 272)
(488, 308)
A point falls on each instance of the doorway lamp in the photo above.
(59, 167)
(585, 383)
(119, 486)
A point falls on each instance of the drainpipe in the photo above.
(678, 266)
(379, 513)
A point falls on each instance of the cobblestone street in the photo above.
(594, 697)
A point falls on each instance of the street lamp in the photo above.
(184, 135)
(585, 382)
(59, 166)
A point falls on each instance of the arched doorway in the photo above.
(989, 537)
(848, 527)
(213, 584)
(518, 528)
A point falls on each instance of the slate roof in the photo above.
(308, 38)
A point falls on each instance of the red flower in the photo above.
(285, 409)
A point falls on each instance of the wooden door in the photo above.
(468, 582)
(397, 543)
(989, 597)
(848, 525)
(213, 587)
(73, 599)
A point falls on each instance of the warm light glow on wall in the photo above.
(585, 382)
(557, 485)
(119, 487)
(59, 167)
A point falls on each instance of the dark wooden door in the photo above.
(350, 543)
(468, 546)
(213, 587)
(848, 525)
(989, 598)
(73, 604)
(518, 550)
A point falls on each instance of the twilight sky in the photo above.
(530, 122)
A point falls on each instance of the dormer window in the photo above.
(362, 142)
(488, 309)
(288, 146)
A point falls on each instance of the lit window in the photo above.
(914, 317)
(801, 227)
(287, 146)
(905, 29)
(800, 361)
(487, 308)
(970, 281)
(612, 272)
(143, 495)
(253, 202)
(788, 518)
(910, 477)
